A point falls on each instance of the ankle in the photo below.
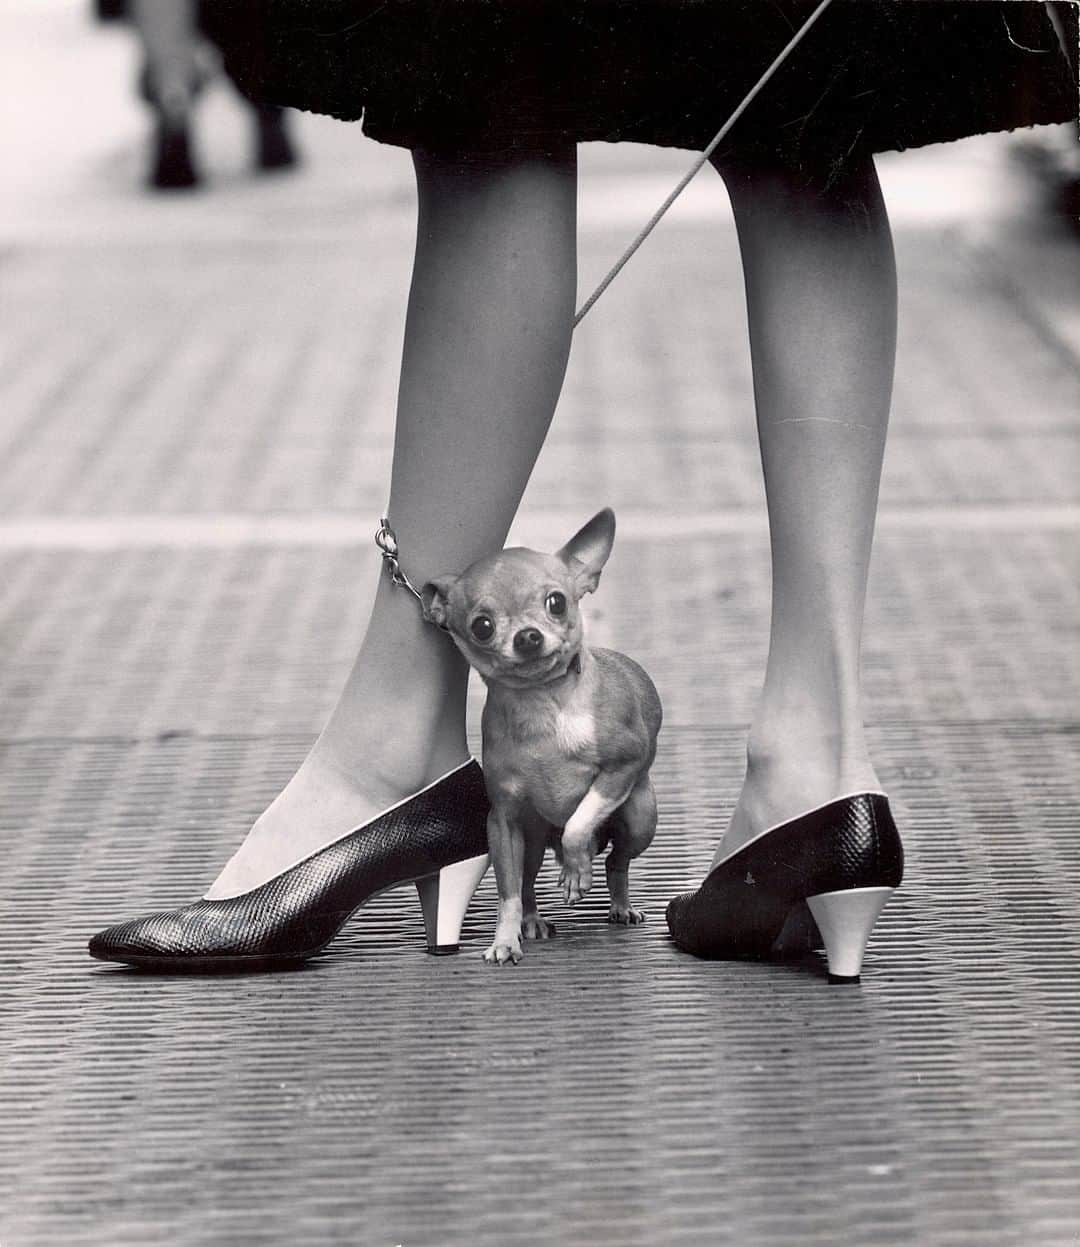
(401, 715)
(791, 773)
(396, 753)
(788, 774)
(771, 755)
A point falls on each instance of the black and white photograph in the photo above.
(539, 623)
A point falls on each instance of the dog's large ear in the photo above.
(588, 550)
(435, 600)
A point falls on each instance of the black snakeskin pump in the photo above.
(437, 839)
(843, 860)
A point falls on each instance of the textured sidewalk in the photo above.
(196, 406)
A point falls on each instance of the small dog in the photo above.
(569, 732)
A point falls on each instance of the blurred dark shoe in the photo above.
(171, 166)
(273, 147)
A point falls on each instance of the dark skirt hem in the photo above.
(506, 75)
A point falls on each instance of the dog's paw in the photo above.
(533, 927)
(504, 950)
(576, 879)
(625, 915)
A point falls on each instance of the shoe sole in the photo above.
(211, 965)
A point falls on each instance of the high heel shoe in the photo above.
(172, 163)
(843, 861)
(436, 839)
(172, 166)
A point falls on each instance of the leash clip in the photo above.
(386, 540)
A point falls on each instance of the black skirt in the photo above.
(501, 75)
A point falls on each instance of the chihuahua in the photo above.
(569, 732)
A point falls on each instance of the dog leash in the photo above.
(699, 163)
(385, 537)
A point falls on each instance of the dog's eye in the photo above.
(482, 628)
(556, 604)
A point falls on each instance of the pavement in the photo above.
(196, 404)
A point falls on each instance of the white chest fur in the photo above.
(574, 732)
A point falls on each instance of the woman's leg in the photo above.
(821, 298)
(486, 343)
(166, 31)
(170, 80)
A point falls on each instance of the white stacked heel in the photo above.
(845, 920)
(444, 899)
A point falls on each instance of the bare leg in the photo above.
(166, 30)
(821, 297)
(170, 80)
(486, 344)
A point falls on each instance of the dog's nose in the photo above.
(528, 641)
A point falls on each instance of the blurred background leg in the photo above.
(166, 30)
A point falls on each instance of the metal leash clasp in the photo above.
(386, 540)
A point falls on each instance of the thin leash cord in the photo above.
(385, 538)
(696, 167)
